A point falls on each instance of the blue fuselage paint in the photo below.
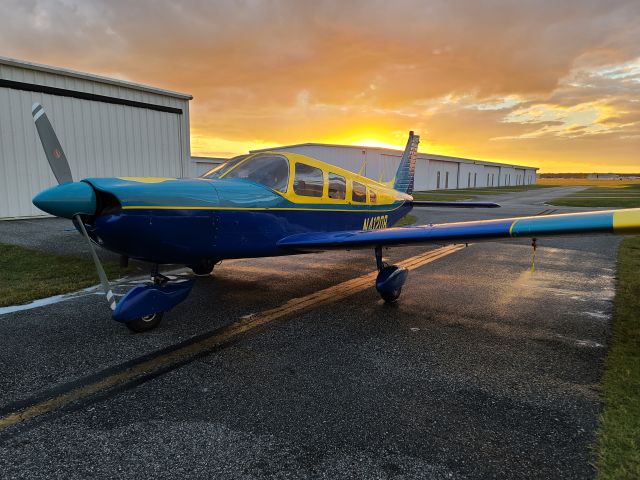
(212, 220)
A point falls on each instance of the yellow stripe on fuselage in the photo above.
(198, 207)
(147, 179)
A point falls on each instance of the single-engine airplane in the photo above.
(265, 204)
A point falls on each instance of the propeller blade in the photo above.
(51, 144)
(101, 273)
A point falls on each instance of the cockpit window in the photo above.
(269, 170)
(215, 172)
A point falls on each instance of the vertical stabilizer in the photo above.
(406, 170)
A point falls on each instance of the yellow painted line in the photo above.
(199, 207)
(511, 228)
(296, 305)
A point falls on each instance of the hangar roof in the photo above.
(391, 151)
(91, 77)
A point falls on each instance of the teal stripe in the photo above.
(563, 225)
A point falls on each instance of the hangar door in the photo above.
(100, 136)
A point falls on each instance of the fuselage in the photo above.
(240, 210)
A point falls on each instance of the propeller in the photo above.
(52, 148)
(60, 168)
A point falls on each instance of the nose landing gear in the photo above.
(143, 307)
(390, 278)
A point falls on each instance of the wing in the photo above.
(614, 221)
(418, 203)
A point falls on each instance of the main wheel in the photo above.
(144, 324)
(392, 296)
(202, 269)
(389, 282)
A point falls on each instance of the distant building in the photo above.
(612, 176)
(433, 172)
(200, 165)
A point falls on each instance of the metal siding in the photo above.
(443, 167)
(421, 178)
(100, 139)
(491, 171)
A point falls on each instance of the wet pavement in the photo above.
(483, 369)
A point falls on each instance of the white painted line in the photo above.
(95, 290)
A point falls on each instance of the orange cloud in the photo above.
(554, 84)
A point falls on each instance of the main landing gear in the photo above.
(390, 278)
(141, 309)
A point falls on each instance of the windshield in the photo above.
(269, 170)
(223, 168)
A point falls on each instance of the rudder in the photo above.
(405, 174)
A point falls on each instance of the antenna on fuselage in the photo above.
(364, 162)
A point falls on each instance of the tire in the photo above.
(390, 297)
(145, 324)
(202, 269)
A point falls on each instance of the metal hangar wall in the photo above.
(107, 127)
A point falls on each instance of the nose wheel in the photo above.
(146, 323)
(141, 309)
(390, 279)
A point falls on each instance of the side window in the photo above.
(269, 170)
(373, 198)
(337, 187)
(359, 192)
(308, 181)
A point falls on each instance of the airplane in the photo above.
(261, 205)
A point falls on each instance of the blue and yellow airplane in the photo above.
(265, 204)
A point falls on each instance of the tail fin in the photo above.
(406, 170)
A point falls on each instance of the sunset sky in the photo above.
(554, 84)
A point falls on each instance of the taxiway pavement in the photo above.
(483, 369)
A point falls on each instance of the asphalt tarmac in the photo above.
(483, 369)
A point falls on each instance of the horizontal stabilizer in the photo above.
(613, 221)
(417, 203)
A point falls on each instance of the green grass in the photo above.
(27, 275)
(408, 219)
(440, 197)
(618, 442)
(626, 196)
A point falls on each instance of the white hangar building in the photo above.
(433, 172)
(107, 127)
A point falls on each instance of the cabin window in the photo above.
(373, 198)
(308, 181)
(337, 187)
(269, 170)
(359, 192)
